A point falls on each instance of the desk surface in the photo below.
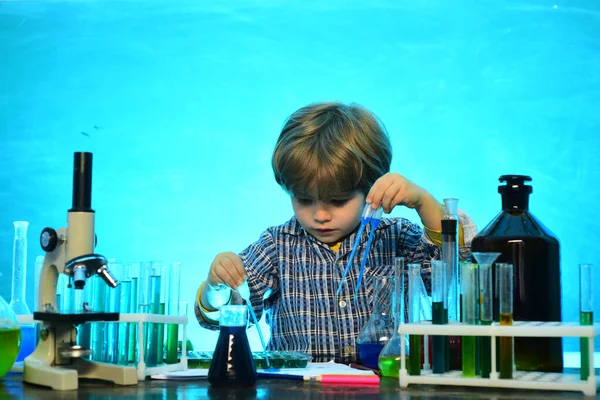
(11, 386)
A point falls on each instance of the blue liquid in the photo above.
(232, 363)
(368, 354)
(27, 341)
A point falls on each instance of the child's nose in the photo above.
(322, 214)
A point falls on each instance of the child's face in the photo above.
(329, 221)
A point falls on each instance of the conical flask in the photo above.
(18, 302)
(390, 357)
(374, 335)
(534, 251)
(10, 337)
(232, 363)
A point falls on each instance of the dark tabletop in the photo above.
(11, 386)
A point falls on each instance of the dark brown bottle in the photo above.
(534, 252)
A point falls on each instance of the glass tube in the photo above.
(154, 300)
(470, 316)
(124, 328)
(173, 289)
(414, 316)
(438, 305)
(504, 275)
(98, 331)
(132, 272)
(586, 315)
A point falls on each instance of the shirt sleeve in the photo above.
(260, 261)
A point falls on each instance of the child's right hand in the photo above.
(227, 269)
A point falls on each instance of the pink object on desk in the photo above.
(352, 379)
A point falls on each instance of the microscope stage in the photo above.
(75, 318)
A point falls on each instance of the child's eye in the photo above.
(304, 202)
(339, 202)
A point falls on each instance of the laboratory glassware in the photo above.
(379, 328)
(486, 312)
(505, 287)
(414, 316)
(389, 358)
(534, 251)
(586, 314)
(232, 364)
(10, 336)
(439, 313)
(470, 316)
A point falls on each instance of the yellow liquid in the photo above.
(10, 343)
(506, 349)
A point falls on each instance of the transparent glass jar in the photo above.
(10, 337)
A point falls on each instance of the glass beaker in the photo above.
(232, 363)
(10, 337)
(18, 303)
(374, 335)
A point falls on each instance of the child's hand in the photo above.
(393, 189)
(227, 269)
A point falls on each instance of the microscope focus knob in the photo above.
(48, 239)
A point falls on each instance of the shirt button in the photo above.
(348, 349)
(342, 303)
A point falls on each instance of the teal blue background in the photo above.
(181, 103)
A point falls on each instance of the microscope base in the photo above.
(66, 377)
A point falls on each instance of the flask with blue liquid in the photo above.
(232, 363)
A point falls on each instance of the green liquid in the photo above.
(585, 318)
(172, 332)
(415, 355)
(438, 342)
(506, 349)
(485, 353)
(10, 344)
(390, 366)
(160, 336)
(469, 356)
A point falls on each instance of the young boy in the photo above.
(331, 158)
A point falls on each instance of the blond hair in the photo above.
(333, 148)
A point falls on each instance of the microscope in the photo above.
(57, 360)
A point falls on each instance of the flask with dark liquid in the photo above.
(533, 250)
(232, 364)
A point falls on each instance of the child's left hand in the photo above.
(393, 189)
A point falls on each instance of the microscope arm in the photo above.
(54, 262)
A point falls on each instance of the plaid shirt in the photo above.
(298, 276)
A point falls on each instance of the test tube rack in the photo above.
(142, 370)
(521, 379)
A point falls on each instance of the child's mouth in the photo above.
(324, 231)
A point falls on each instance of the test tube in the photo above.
(586, 315)
(154, 302)
(124, 328)
(414, 316)
(173, 309)
(486, 310)
(98, 331)
(132, 271)
(470, 316)
(438, 306)
(504, 274)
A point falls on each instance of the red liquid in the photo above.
(232, 363)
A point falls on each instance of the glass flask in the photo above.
(390, 357)
(374, 335)
(232, 363)
(18, 303)
(10, 337)
(534, 251)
